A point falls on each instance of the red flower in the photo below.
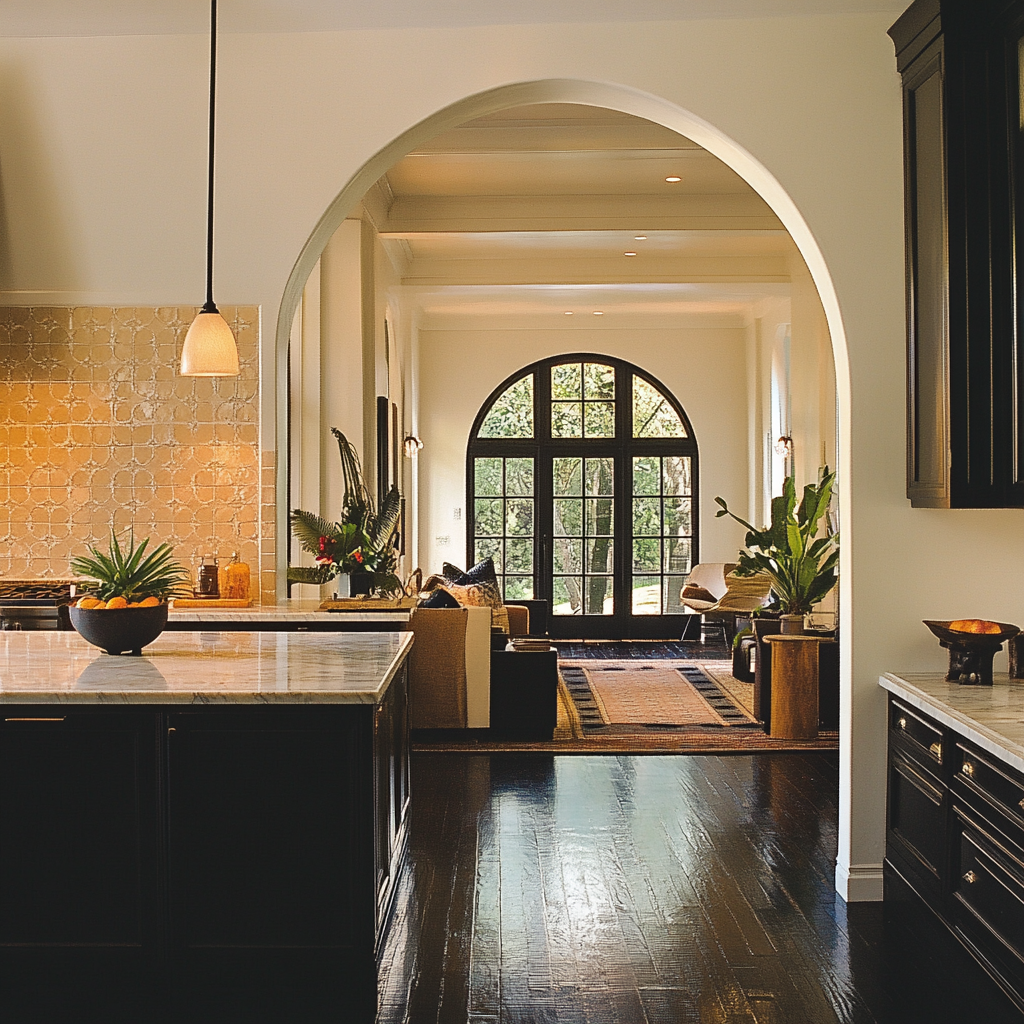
(325, 543)
(358, 556)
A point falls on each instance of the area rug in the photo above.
(581, 729)
(630, 695)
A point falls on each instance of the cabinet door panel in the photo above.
(917, 815)
(928, 347)
(78, 830)
(264, 830)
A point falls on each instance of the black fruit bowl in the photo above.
(120, 630)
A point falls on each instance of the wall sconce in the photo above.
(411, 445)
(784, 446)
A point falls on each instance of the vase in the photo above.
(360, 584)
(792, 624)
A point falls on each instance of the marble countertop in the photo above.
(60, 667)
(992, 717)
(287, 611)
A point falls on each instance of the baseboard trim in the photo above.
(859, 883)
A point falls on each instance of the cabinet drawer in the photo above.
(990, 885)
(917, 815)
(998, 785)
(920, 738)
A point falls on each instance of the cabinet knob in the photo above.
(936, 751)
(902, 723)
(968, 769)
(970, 877)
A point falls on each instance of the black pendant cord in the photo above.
(211, 306)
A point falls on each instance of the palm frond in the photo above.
(308, 528)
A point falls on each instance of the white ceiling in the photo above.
(532, 212)
(159, 17)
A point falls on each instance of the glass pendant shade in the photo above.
(209, 349)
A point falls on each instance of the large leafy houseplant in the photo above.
(363, 540)
(802, 566)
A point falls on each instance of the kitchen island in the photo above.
(224, 815)
(955, 813)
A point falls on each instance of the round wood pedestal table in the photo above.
(794, 686)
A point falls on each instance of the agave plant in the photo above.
(130, 572)
(803, 567)
(363, 540)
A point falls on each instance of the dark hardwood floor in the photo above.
(653, 890)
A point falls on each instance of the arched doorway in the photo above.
(770, 189)
(582, 485)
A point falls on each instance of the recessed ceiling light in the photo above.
(640, 238)
(598, 312)
(673, 178)
(629, 254)
(568, 312)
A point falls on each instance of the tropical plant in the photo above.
(803, 567)
(130, 573)
(363, 540)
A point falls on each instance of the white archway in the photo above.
(669, 115)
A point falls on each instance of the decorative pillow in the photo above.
(477, 587)
(439, 598)
(745, 593)
(697, 594)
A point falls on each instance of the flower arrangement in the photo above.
(363, 541)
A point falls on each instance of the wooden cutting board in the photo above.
(211, 602)
(368, 604)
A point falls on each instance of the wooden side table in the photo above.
(794, 699)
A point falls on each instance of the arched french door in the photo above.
(582, 483)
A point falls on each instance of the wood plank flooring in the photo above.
(653, 890)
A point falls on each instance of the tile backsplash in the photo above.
(97, 430)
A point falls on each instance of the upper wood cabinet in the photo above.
(964, 201)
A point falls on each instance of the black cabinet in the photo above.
(962, 126)
(80, 880)
(203, 852)
(955, 836)
(524, 694)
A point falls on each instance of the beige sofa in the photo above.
(450, 665)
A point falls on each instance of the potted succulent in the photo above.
(125, 607)
(802, 566)
(363, 543)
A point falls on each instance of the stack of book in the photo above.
(528, 643)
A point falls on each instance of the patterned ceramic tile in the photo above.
(97, 431)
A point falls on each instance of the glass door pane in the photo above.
(583, 521)
(662, 533)
(503, 521)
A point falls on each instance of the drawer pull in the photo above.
(968, 769)
(970, 878)
(902, 723)
(936, 751)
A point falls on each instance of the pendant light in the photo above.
(210, 349)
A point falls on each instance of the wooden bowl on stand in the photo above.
(970, 654)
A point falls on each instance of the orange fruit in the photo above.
(149, 602)
(974, 626)
(116, 602)
(90, 602)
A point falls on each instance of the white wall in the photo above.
(102, 150)
(703, 366)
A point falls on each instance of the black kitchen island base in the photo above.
(199, 862)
